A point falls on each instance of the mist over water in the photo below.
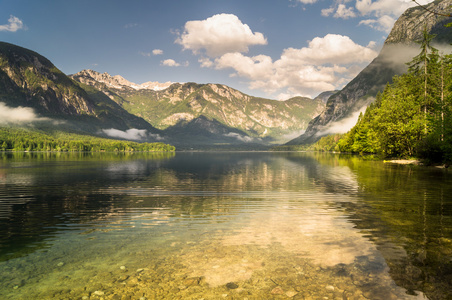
(222, 225)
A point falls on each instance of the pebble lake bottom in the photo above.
(222, 226)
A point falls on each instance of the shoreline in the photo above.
(404, 162)
(415, 162)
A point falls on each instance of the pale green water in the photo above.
(222, 226)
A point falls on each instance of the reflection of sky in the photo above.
(262, 202)
(310, 228)
(130, 167)
(291, 210)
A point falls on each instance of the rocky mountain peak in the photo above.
(117, 81)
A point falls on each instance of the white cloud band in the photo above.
(18, 115)
(326, 64)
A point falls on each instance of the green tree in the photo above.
(419, 66)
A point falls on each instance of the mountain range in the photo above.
(181, 104)
(187, 115)
(30, 80)
(192, 115)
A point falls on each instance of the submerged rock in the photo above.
(231, 285)
(277, 291)
(192, 281)
(123, 278)
(291, 294)
(132, 282)
(98, 293)
(330, 288)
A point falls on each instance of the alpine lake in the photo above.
(222, 225)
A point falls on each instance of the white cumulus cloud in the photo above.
(380, 14)
(218, 35)
(341, 11)
(14, 24)
(154, 52)
(385, 7)
(344, 13)
(205, 62)
(326, 64)
(383, 23)
(307, 1)
(332, 48)
(384, 13)
(326, 12)
(257, 67)
(170, 63)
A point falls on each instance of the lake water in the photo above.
(222, 226)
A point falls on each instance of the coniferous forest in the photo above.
(412, 117)
(19, 139)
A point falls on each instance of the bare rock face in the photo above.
(90, 77)
(410, 25)
(30, 79)
(399, 48)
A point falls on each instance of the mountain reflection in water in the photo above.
(222, 225)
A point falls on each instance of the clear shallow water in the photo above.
(222, 226)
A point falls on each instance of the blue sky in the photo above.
(268, 48)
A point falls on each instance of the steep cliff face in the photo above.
(399, 48)
(325, 96)
(29, 79)
(179, 104)
(410, 24)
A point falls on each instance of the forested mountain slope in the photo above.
(399, 48)
(27, 79)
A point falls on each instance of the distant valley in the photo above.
(188, 115)
(205, 108)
